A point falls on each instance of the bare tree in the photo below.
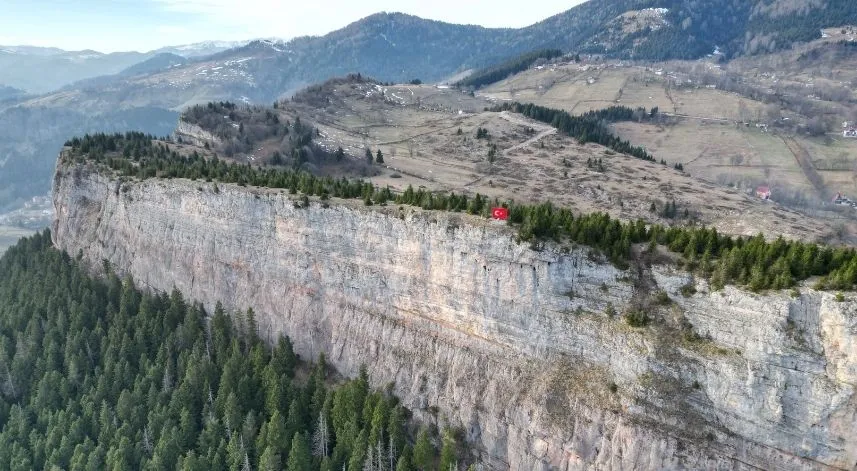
(392, 453)
(321, 437)
(369, 462)
(380, 463)
(147, 441)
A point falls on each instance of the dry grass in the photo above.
(422, 147)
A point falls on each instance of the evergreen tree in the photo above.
(424, 452)
(270, 460)
(299, 456)
(448, 451)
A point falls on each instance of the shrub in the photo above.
(610, 311)
(662, 298)
(637, 318)
(688, 290)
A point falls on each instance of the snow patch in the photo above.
(659, 11)
(386, 39)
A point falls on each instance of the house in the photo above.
(842, 200)
(850, 132)
(763, 192)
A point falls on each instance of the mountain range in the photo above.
(24, 67)
(147, 90)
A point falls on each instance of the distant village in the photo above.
(36, 214)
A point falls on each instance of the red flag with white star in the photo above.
(500, 213)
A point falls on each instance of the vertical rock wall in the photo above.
(477, 331)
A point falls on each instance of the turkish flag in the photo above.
(500, 213)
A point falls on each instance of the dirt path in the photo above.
(701, 118)
(543, 129)
(532, 140)
(804, 160)
(521, 121)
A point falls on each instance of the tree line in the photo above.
(95, 374)
(512, 66)
(588, 127)
(752, 262)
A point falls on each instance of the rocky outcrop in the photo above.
(472, 329)
(195, 135)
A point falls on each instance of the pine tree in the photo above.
(299, 456)
(379, 157)
(270, 460)
(423, 451)
(448, 451)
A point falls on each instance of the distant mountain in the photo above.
(7, 93)
(40, 70)
(201, 49)
(32, 50)
(387, 46)
(24, 67)
(157, 63)
(688, 29)
(399, 47)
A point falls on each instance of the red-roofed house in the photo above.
(763, 192)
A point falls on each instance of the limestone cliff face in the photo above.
(195, 135)
(475, 330)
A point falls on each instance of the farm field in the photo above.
(723, 153)
(428, 138)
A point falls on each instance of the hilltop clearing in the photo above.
(442, 140)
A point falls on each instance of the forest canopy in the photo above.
(498, 72)
(95, 374)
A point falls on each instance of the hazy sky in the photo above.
(120, 25)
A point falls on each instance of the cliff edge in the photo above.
(521, 348)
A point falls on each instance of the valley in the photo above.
(9, 235)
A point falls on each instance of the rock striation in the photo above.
(195, 135)
(519, 347)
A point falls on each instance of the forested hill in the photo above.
(95, 374)
(390, 47)
(686, 29)
(399, 47)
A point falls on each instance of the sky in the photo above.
(143, 25)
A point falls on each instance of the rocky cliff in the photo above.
(519, 347)
(195, 135)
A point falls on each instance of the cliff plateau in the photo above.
(471, 328)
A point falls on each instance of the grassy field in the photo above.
(576, 90)
(10, 235)
(724, 153)
(836, 161)
(417, 129)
